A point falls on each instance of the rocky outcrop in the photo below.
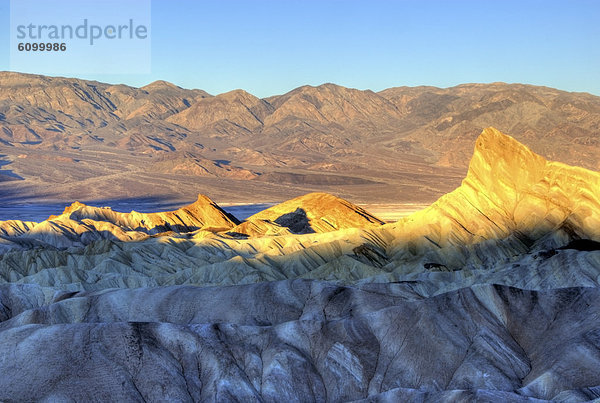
(15, 227)
(311, 213)
(80, 225)
(509, 223)
(514, 213)
(489, 294)
(202, 214)
(303, 340)
(512, 200)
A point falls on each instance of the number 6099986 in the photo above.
(42, 47)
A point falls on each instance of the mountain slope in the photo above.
(560, 125)
(234, 109)
(332, 106)
(81, 225)
(508, 191)
(301, 339)
(488, 294)
(408, 145)
(314, 212)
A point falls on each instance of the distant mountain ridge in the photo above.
(408, 140)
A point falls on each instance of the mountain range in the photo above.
(64, 139)
(489, 293)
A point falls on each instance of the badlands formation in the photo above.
(489, 294)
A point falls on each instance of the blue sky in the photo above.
(271, 47)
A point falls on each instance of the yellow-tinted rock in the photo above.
(508, 189)
(313, 212)
(202, 214)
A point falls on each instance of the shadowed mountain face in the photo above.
(399, 145)
(489, 294)
(302, 340)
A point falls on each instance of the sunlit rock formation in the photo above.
(510, 190)
(513, 209)
(202, 214)
(314, 212)
(489, 294)
(80, 224)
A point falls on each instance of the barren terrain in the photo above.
(65, 139)
(488, 294)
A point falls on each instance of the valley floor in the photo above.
(491, 293)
